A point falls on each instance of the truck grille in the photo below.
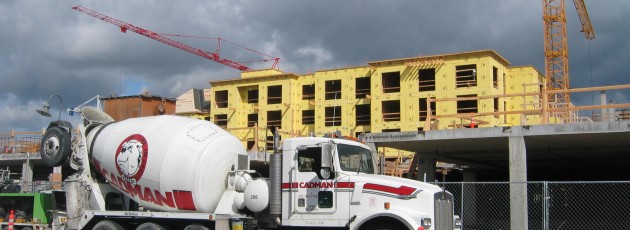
(443, 211)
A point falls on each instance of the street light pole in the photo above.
(45, 110)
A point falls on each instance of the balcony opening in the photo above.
(333, 89)
(467, 106)
(391, 111)
(308, 92)
(252, 96)
(363, 87)
(495, 77)
(424, 110)
(391, 82)
(274, 119)
(221, 98)
(221, 120)
(466, 75)
(274, 94)
(363, 114)
(252, 119)
(308, 117)
(333, 116)
(426, 79)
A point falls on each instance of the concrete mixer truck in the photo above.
(170, 172)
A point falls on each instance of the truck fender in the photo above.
(378, 217)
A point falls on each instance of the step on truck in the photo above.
(171, 172)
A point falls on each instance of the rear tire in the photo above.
(108, 225)
(151, 226)
(27, 228)
(196, 227)
(55, 147)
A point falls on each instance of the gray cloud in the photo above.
(48, 48)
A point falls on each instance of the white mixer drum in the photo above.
(166, 163)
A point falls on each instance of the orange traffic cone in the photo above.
(11, 219)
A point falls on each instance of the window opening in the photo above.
(333, 89)
(424, 110)
(308, 92)
(274, 119)
(250, 145)
(391, 82)
(363, 114)
(333, 116)
(391, 111)
(390, 130)
(308, 117)
(221, 120)
(252, 96)
(269, 142)
(495, 77)
(496, 107)
(467, 106)
(363, 87)
(221, 98)
(466, 75)
(426, 80)
(274, 94)
(252, 119)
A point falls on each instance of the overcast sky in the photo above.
(46, 47)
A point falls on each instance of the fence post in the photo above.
(545, 206)
(461, 206)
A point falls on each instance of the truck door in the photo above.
(315, 193)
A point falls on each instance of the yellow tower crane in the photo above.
(556, 54)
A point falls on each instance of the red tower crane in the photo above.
(214, 56)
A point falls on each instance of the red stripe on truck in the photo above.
(402, 190)
(184, 200)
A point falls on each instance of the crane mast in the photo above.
(556, 52)
(124, 27)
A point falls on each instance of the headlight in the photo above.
(426, 222)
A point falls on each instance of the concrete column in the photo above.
(605, 114)
(468, 212)
(518, 187)
(426, 167)
(27, 176)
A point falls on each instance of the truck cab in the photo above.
(334, 182)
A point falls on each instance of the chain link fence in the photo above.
(550, 205)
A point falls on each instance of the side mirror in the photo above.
(327, 151)
(326, 160)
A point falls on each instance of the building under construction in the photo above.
(410, 94)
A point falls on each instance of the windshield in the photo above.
(355, 159)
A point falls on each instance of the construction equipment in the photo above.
(556, 49)
(77, 109)
(214, 56)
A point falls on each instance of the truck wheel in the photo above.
(27, 228)
(196, 227)
(151, 226)
(55, 147)
(107, 225)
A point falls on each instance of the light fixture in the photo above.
(45, 110)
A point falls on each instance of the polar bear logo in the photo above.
(130, 158)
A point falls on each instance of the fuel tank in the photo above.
(166, 163)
